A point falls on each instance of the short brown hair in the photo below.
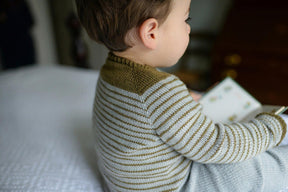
(108, 21)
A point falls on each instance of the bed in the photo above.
(45, 130)
(46, 141)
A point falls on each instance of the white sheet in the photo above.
(45, 130)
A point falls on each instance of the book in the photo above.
(228, 102)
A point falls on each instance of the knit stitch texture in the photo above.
(149, 131)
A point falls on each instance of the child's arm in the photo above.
(285, 140)
(179, 122)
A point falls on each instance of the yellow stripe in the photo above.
(180, 119)
(259, 136)
(126, 158)
(207, 151)
(240, 146)
(169, 118)
(190, 139)
(143, 164)
(253, 143)
(120, 137)
(124, 133)
(104, 143)
(102, 116)
(118, 119)
(167, 100)
(220, 148)
(140, 173)
(267, 137)
(120, 107)
(192, 147)
(145, 189)
(228, 148)
(117, 93)
(157, 90)
(154, 181)
(234, 148)
(135, 171)
(144, 175)
(198, 140)
(119, 100)
(188, 130)
(117, 142)
(122, 114)
(245, 139)
(128, 153)
(275, 130)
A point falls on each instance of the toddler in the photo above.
(150, 133)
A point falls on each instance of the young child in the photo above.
(150, 133)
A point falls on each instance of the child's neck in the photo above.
(138, 56)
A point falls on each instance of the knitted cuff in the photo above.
(281, 121)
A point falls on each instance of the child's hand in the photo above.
(196, 96)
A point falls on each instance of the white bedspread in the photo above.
(45, 130)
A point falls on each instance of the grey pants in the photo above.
(268, 172)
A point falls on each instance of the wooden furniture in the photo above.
(253, 49)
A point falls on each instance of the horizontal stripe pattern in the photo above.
(133, 157)
(148, 141)
(181, 125)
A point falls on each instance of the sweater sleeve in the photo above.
(178, 121)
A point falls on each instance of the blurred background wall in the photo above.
(53, 39)
(244, 39)
(44, 38)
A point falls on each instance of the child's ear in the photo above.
(148, 33)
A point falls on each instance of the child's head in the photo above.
(150, 32)
(108, 21)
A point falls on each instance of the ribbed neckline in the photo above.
(121, 60)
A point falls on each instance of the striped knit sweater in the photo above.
(149, 131)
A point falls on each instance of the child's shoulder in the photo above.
(132, 77)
